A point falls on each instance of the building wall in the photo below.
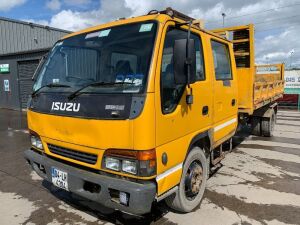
(19, 36)
(11, 99)
(22, 41)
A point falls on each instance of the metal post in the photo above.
(291, 54)
(223, 15)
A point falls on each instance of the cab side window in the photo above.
(170, 92)
(199, 60)
(221, 61)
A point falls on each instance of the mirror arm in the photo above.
(188, 61)
(188, 58)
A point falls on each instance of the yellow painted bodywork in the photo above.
(171, 133)
(255, 90)
(268, 85)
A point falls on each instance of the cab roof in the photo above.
(160, 16)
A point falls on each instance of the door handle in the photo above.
(233, 102)
(205, 110)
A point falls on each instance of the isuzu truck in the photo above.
(136, 111)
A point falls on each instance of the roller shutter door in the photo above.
(25, 71)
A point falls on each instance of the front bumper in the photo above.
(141, 195)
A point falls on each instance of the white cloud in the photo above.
(53, 5)
(140, 7)
(76, 20)
(6, 5)
(276, 31)
(210, 14)
(277, 48)
(70, 20)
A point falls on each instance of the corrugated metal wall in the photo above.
(25, 70)
(19, 86)
(17, 36)
(22, 44)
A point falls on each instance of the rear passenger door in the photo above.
(225, 90)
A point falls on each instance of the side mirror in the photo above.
(184, 62)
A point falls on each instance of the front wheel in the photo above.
(192, 183)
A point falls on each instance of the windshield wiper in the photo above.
(95, 84)
(51, 85)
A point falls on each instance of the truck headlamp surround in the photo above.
(139, 163)
(36, 141)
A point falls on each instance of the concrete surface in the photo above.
(258, 183)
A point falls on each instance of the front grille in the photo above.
(73, 154)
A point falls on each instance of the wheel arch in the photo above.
(202, 140)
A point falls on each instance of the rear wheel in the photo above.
(268, 124)
(192, 183)
(256, 126)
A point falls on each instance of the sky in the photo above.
(277, 22)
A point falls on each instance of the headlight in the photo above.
(129, 166)
(112, 164)
(39, 144)
(33, 140)
(36, 141)
(140, 163)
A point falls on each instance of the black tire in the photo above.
(183, 200)
(256, 126)
(268, 124)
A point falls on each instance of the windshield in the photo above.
(119, 56)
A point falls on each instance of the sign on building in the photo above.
(4, 68)
(6, 85)
(292, 82)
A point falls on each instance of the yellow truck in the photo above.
(136, 111)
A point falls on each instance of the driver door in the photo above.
(176, 121)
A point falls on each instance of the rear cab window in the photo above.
(221, 58)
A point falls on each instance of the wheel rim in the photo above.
(193, 180)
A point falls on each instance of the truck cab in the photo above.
(130, 112)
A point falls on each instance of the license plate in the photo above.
(59, 178)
